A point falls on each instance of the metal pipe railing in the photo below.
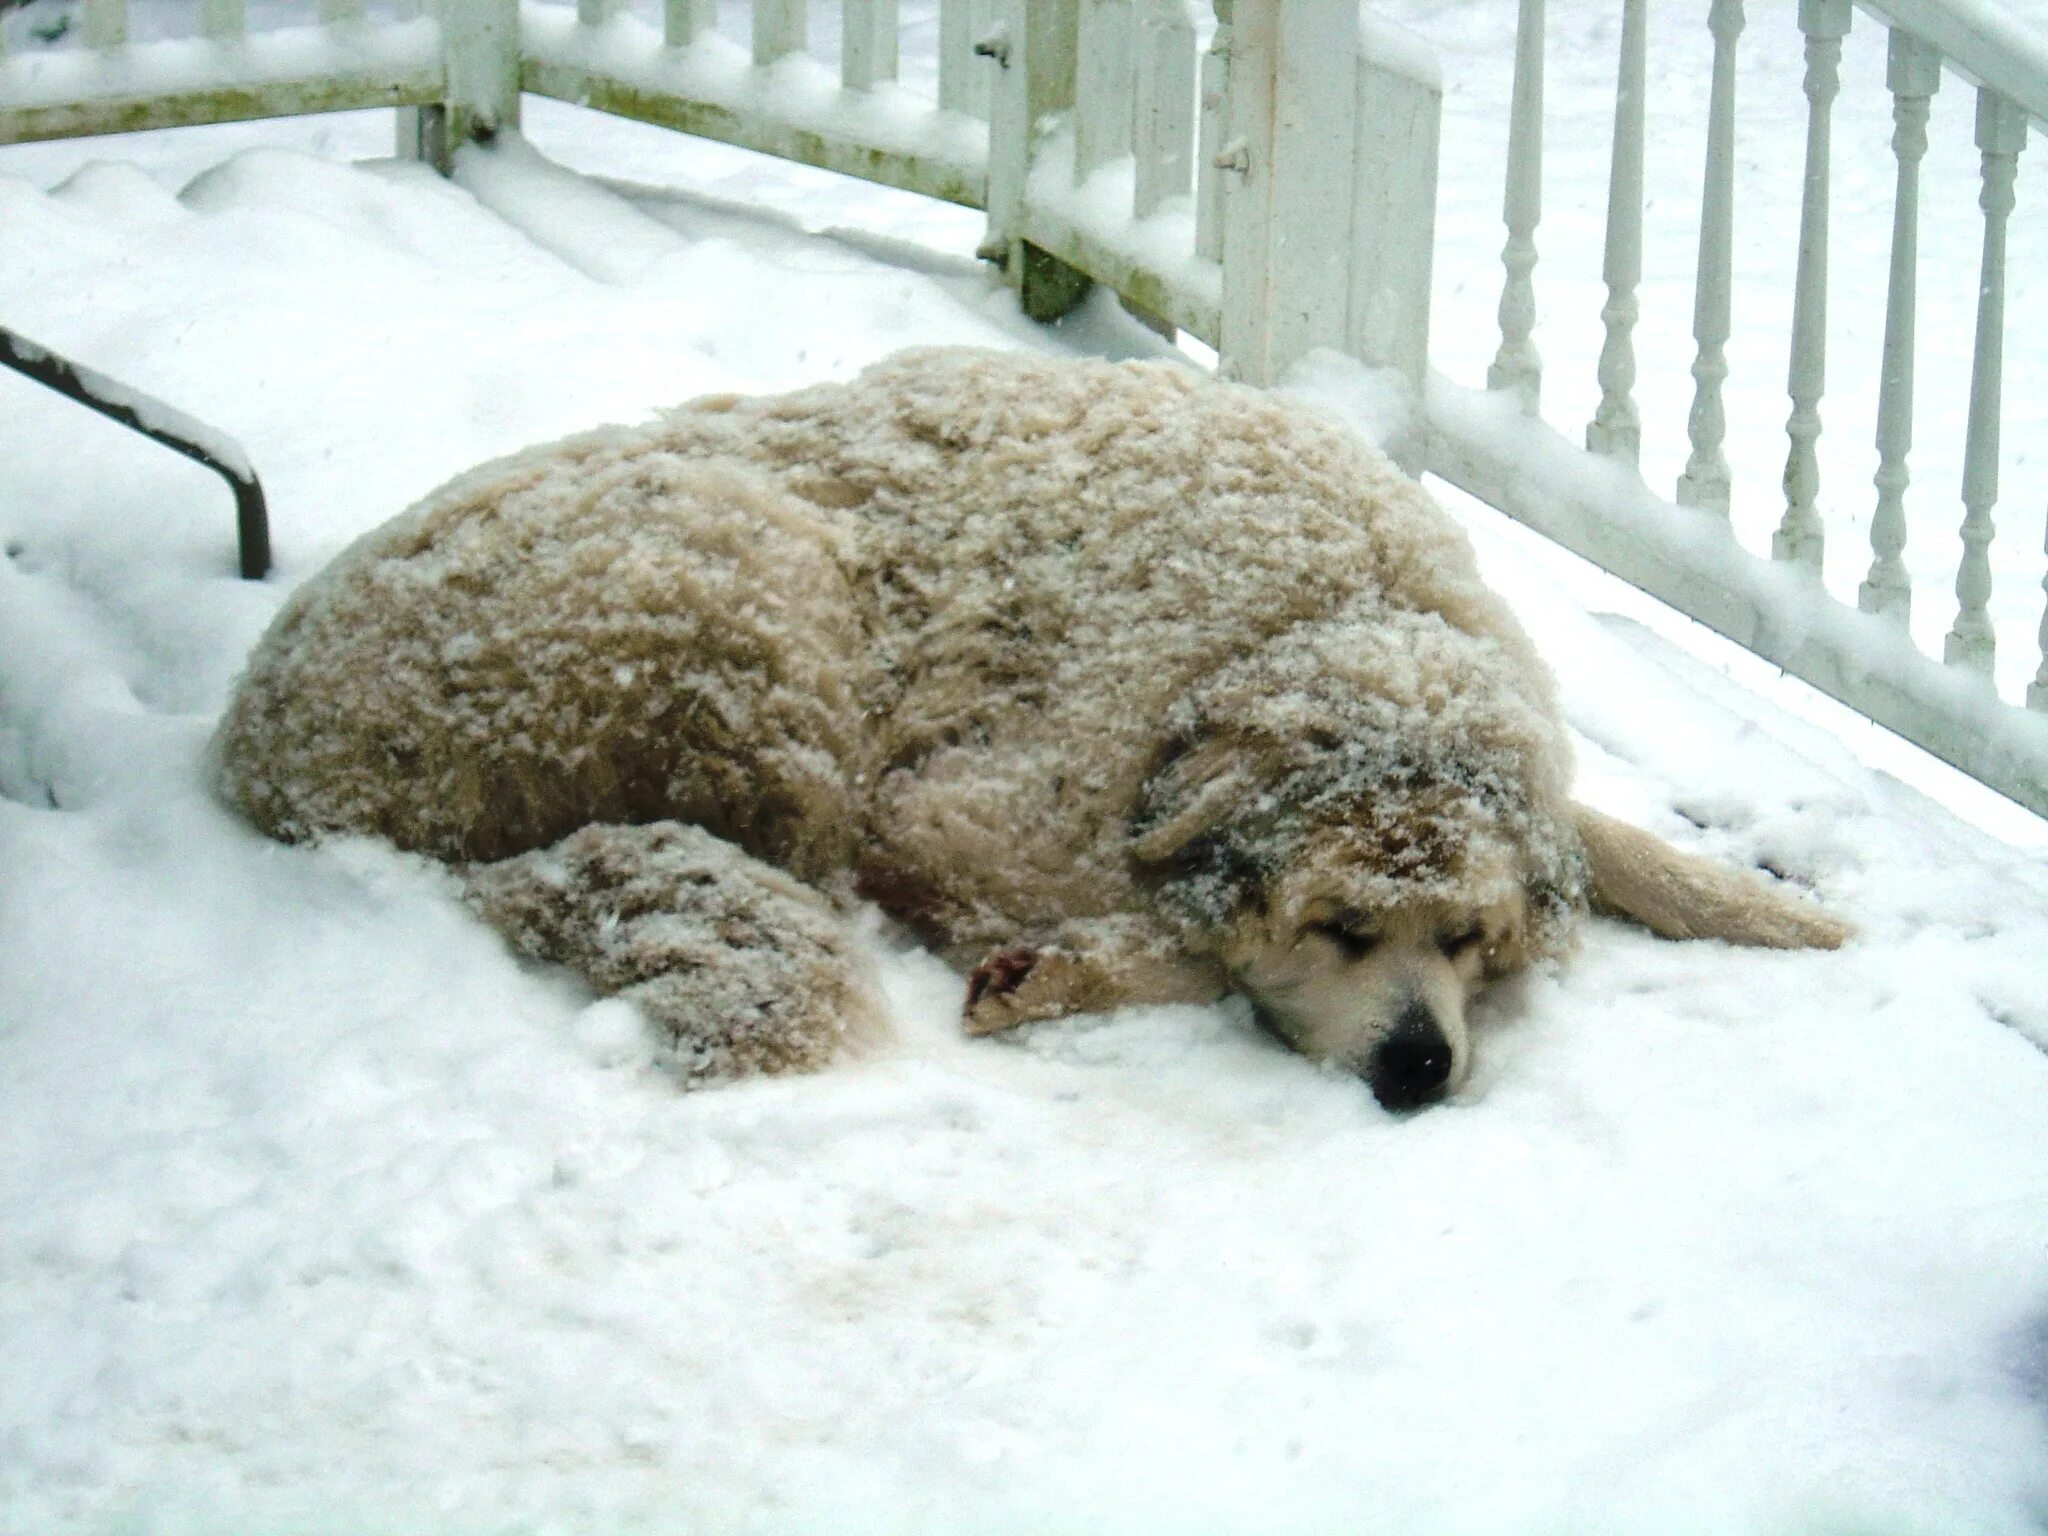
(164, 423)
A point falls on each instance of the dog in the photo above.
(1114, 684)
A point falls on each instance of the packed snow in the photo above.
(320, 1211)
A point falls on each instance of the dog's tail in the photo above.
(1682, 896)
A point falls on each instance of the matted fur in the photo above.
(744, 967)
(1101, 661)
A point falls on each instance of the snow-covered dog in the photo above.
(1116, 685)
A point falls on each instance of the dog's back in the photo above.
(1049, 556)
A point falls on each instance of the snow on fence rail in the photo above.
(1271, 192)
(113, 85)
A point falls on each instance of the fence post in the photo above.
(1399, 104)
(1287, 205)
(480, 54)
(1035, 48)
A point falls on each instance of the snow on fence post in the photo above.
(106, 23)
(1800, 537)
(1517, 367)
(1103, 85)
(1288, 151)
(781, 27)
(1165, 127)
(224, 21)
(2001, 135)
(1398, 102)
(867, 53)
(1913, 72)
(480, 46)
(1616, 428)
(1705, 481)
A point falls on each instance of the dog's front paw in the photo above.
(1017, 985)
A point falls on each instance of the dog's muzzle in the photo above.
(1412, 1066)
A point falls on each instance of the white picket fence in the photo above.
(1264, 179)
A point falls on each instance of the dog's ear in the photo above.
(1192, 790)
(1681, 896)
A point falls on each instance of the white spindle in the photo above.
(2001, 135)
(1215, 113)
(963, 75)
(106, 23)
(781, 27)
(867, 55)
(1516, 366)
(223, 20)
(333, 12)
(1616, 428)
(591, 13)
(1914, 74)
(1165, 128)
(684, 21)
(1705, 481)
(1102, 103)
(1799, 537)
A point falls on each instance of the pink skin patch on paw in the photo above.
(1001, 973)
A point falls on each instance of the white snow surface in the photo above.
(319, 1211)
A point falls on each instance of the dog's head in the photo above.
(1364, 864)
(1378, 990)
(1363, 946)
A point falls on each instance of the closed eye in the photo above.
(1458, 940)
(1356, 943)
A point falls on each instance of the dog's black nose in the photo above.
(1410, 1067)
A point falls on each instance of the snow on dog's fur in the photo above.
(1114, 684)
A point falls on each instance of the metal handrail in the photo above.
(164, 423)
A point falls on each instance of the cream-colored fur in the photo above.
(1115, 684)
(1678, 896)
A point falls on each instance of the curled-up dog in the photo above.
(1114, 684)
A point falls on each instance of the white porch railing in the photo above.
(1684, 551)
(1271, 192)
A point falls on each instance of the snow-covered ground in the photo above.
(319, 1212)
